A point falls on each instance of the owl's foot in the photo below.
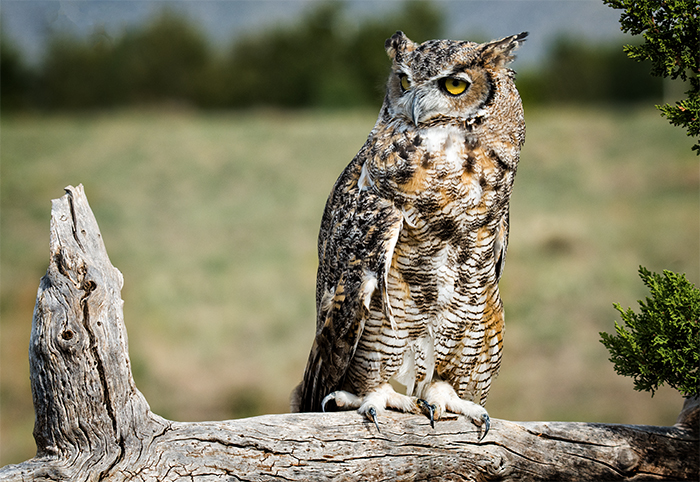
(342, 400)
(386, 397)
(441, 398)
(346, 401)
(372, 404)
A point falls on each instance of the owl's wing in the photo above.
(358, 233)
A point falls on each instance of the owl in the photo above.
(413, 240)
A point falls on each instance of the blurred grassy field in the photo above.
(213, 218)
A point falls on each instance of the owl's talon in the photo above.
(486, 423)
(325, 400)
(428, 409)
(371, 414)
(342, 400)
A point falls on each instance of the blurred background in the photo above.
(208, 135)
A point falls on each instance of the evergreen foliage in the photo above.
(661, 344)
(671, 32)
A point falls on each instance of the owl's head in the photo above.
(445, 79)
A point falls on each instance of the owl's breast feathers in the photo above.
(431, 191)
(444, 177)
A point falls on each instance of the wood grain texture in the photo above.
(92, 423)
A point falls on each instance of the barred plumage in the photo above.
(414, 235)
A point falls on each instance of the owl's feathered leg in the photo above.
(441, 397)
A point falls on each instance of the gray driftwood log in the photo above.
(92, 423)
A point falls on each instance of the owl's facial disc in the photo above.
(444, 95)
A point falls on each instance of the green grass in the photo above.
(213, 218)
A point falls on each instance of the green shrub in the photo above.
(662, 344)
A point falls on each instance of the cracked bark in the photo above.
(92, 423)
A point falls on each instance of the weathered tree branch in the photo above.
(92, 423)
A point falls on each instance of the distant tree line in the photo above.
(322, 61)
(576, 72)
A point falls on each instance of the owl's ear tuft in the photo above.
(500, 52)
(397, 44)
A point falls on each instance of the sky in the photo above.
(28, 24)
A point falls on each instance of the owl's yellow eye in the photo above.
(405, 83)
(454, 86)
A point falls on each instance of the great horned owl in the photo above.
(413, 239)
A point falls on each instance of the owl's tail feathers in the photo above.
(320, 376)
(296, 402)
(309, 392)
(295, 399)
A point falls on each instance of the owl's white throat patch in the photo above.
(445, 142)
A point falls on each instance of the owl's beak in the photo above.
(423, 105)
(415, 109)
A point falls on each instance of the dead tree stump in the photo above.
(92, 423)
